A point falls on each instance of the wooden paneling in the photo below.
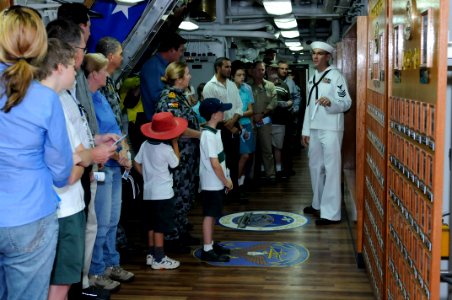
(407, 43)
(361, 104)
(416, 146)
(4, 4)
(348, 69)
(374, 180)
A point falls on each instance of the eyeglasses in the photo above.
(85, 50)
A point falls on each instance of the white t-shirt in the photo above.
(155, 160)
(76, 116)
(71, 196)
(211, 147)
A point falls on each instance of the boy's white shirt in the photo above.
(157, 180)
(71, 195)
(210, 146)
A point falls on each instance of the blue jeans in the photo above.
(108, 210)
(27, 253)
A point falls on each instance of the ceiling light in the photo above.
(277, 34)
(188, 25)
(286, 23)
(296, 49)
(290, 34)
(292, 44)
(129, 1)
(278, 7)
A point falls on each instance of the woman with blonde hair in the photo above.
(177, 79)
(105, 269)
(35, 154)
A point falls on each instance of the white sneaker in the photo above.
(149, 259)
(166, 263)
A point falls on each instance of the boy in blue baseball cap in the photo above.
(214, 179)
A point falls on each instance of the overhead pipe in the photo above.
(220, 11)
(335, 32)
(249, 34)
(237, 12)
(246, 26)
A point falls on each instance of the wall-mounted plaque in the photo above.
(398, 47)
(427, 39)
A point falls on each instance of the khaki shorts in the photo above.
(278, 133)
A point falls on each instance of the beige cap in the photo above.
(322, 45)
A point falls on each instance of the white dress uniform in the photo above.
(325, 127)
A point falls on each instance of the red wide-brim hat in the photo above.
(164, 126)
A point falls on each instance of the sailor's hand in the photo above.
(323, 101)
(305, 140)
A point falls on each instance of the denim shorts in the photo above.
(160, 215)
(212, 203)
(70, 250)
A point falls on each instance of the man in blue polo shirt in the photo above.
(169, 50)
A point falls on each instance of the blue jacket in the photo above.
(151, 83)
(35, 154)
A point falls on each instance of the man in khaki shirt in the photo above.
(265, 100)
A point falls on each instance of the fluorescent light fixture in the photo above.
(129, 1)
(188, 25)
(296, 49)
(286, 23)
(278, 7)
(290, 34)
(292, 43)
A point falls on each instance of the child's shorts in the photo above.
(159, 215)
(249, 145)
(68, 264)
(212, 203)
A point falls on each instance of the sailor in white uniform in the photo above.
(323, 129)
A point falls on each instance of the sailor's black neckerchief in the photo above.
(315, 86)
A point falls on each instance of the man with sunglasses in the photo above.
(323, 129)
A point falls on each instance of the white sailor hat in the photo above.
(322, 45)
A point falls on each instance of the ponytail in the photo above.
(23, 43)
(17, 79)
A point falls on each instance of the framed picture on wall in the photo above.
(398, 47)
(426, 57)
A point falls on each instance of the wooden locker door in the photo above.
(374, 208)
(417, 87)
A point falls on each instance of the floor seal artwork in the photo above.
(261, 254)
(263, 220)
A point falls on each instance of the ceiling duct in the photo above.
(204, 11)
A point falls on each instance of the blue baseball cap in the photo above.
(210, 106)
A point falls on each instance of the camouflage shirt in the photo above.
(174, 101)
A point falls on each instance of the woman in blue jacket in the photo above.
(34, 155)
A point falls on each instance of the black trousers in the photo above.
(231, 145)
(86, 184)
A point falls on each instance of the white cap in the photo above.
(322, 45)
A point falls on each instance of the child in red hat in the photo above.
(152, 161)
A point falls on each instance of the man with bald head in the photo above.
(323, 129)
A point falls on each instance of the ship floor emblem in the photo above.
(261, 254)
(263, 220)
